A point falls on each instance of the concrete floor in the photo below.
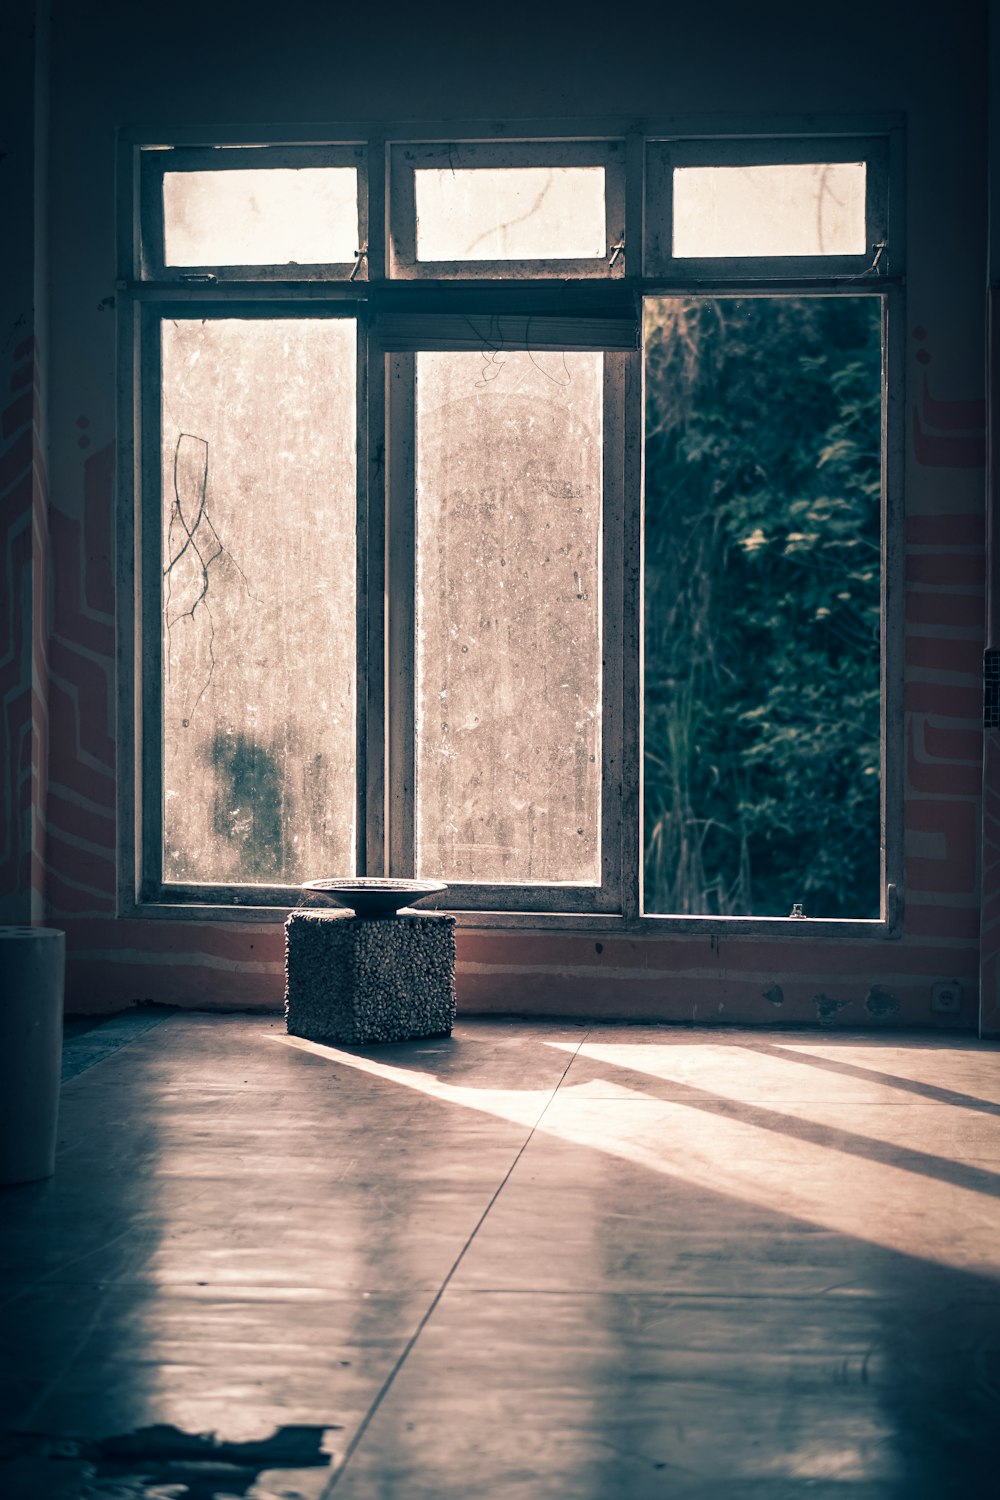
(532, 1261)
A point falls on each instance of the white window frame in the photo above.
(402, 308)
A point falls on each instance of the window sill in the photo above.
(792, 929)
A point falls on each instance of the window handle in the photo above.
(893, 907)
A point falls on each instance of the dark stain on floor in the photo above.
(160, 1460)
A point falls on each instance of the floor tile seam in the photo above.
(211, 1295)
(284, 1292)
(661, 1293)
(805, 1032)
(772, 1101)
(387, 1384)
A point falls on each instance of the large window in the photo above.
(484, 532)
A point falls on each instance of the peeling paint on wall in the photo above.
(879, 1003)
(827, 1008)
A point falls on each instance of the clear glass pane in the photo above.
(268, 216)
(510, 213)
(508, 590)
(258, 537)
(812, 209)
(762, 605)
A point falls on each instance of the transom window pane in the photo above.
(508, 616)
(266, 216)
(762, 606)
(510, 213)
(813, 209)
(258, 598)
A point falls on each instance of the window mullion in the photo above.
(362, 607)
(372, 815)
(612, 541)
(631, 641)
(150, 612)
(893, 589)
(400, 564)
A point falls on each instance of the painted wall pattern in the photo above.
(80, 872)
(989, 930)
(23, 657)
(989, 963)
(945, 608)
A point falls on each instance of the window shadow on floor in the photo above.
(846, 1069)
(235, 1212)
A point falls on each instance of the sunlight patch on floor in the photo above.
(711, 1141)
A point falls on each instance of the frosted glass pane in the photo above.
(258, 537)
(812, 209)
(508, 601)
(510, 213)
(271, 216)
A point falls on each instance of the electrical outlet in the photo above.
(946, 996)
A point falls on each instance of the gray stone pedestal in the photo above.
(353, 980)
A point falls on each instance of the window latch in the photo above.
(198, 278)
(360, 255)
(617, 251)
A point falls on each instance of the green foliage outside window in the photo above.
(762, 605)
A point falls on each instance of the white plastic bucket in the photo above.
(32, 965)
